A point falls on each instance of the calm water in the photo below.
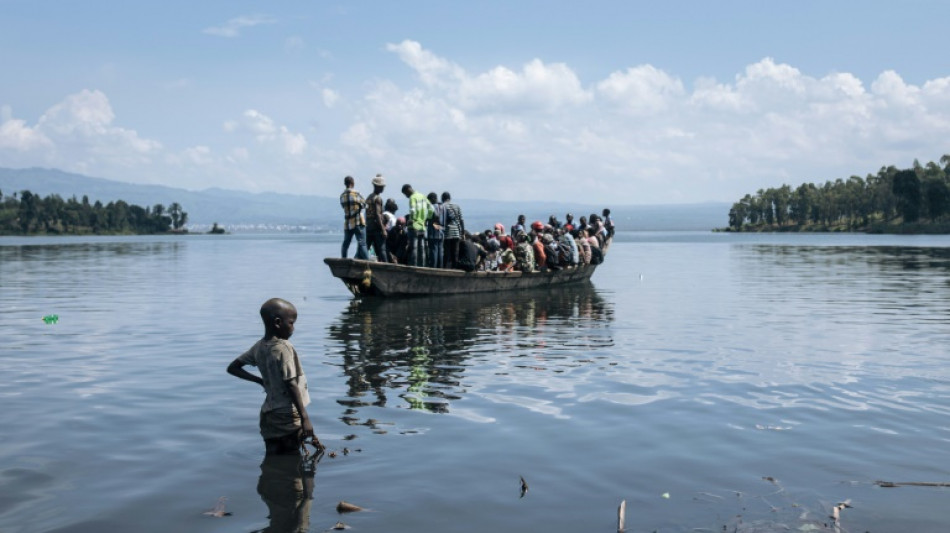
(711, 381)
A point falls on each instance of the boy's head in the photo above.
(407, 190)
(279, 317)
(348, 182)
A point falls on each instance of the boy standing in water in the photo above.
(284, 421)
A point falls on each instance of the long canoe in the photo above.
(372, 278)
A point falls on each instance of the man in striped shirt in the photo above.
(353, 222)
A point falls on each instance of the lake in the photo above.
(715, 382)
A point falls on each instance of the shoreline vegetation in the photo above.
(27, 214)
(909, 201)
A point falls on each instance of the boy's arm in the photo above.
(236, 369)
(297, 397)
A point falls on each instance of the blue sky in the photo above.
(616, 102)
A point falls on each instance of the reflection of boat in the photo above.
(429, 350)
(370, 278)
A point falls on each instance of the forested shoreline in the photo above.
(25, 213)
(914, 200)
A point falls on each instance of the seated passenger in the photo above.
(582, 223)
(524, 254)
(583, 247)
(551, 252)
(397, 242)
(491, 245)
(518, 226)
(569, 222)
(573, 256)
(504, 241)
(471, 254)
(507, 261)
(540, 258)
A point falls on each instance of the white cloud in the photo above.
(890, 87)
(16, 135)
(268, 132)
(642, 90)
(330, 97)
(534, 130)
(670, 142)
(537, 85)
(432, 70)
(77, 134)
(233, 27)
(199, 155)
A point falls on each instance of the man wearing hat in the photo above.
(375, 226)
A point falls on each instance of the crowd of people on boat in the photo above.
(433, 234)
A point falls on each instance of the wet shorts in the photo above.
(280, 423)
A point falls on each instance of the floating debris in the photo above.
(218, 510)
(51, 319)
(666, 495)
(340, 526)
(524, 487)
(346, 507)
(622, 517)
(836, 511)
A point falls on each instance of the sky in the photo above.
(615, 102)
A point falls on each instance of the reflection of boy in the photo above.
(284, 421)
(286, 487)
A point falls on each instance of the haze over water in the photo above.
(710, 380)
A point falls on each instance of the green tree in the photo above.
(936, 198)
(906, 188)
(175, 211)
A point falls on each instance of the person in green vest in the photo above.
(420, 211)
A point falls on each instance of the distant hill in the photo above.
(236, 208)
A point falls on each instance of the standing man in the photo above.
(353, 222)
(375, 225)
(420, 211)
(454, 230)
(435, 232)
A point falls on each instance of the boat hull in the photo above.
(371, 278)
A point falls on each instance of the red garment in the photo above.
(540, 258)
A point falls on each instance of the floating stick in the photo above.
(892, 484)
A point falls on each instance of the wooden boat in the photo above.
(372, 278)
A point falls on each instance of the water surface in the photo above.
(743, 381)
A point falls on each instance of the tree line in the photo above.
(25, 213)
(916, 199)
